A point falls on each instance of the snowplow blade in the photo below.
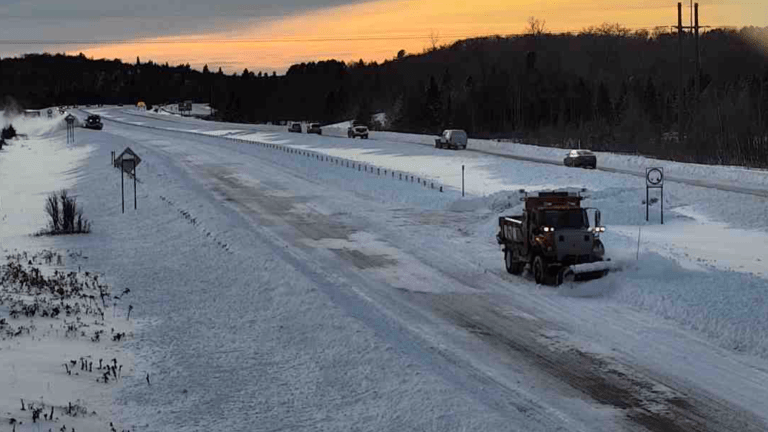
(585, 272)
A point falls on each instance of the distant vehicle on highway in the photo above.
(452, 138)
(357, 129)
(315, 129)
(580, 158)
(295, 127)
(93, 122)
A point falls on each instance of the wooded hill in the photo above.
(605, 88)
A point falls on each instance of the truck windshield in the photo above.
(574, 219)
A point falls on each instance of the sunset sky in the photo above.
(264, 36)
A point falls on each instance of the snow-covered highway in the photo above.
(279, 291)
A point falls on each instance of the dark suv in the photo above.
(581, 158)
(93, 122)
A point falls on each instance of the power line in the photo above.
(283, 40)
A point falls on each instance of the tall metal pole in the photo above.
(691, 13)
(122, 184)
(698, 53)
(134, 185)
(680, 95)
(462, 180)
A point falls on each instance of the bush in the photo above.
(8, 132)
(65, 217)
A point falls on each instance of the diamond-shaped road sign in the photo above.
(126, 156)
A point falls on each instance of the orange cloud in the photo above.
(377, 30)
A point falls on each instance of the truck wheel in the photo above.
(513, 267)
(538, 270)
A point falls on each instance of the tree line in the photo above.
(605, 88)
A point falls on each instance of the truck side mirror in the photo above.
(597, 218)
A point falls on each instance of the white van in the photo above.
(452, 138)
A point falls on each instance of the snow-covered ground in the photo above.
(285, 289)
(42, 331)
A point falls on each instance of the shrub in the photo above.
(64, 215)
(8, 132)
(52, 210)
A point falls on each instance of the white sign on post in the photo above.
(654, 179)
(128, 161)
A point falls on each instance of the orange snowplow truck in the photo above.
(554, 238)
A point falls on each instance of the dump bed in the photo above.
(510, 229)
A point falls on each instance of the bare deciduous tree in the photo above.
(536, 26)
(434, 39)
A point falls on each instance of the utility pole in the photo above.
(691, 14)
(680, 84)
(698, 53)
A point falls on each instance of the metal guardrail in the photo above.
(342, 162)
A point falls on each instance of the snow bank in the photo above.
(24, 189)
(727, 175)
(728, 307)
(38, 126)
(503, 201)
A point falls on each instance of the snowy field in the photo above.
(51, 330)
(283, 289)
